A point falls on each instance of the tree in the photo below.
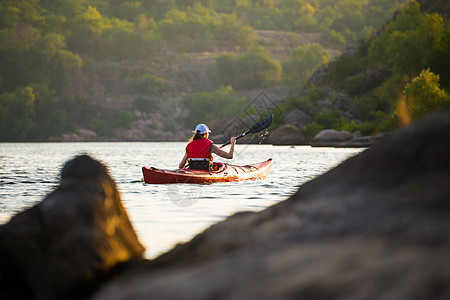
(206, 107)
(423, 95)
(302, 63)
(255, 68)
(87, 29)
(16, 114)
(409, 41)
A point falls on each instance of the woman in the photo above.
(200, 149)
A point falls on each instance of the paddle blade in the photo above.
(261, 125)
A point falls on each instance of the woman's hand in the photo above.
(233, 140)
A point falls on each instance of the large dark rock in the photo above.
(64, 246)
(375, 227)
(290, 134)
(297, 116)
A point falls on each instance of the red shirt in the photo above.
(200, 148)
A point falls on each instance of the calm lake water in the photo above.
(162, 215)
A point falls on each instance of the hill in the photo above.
(126, 70)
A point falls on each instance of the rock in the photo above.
(83, 135)
(298, 116)
(375, 227)
(62, 247)
(328, 137)
(287, 135)
(323, 105)
(319, 77)
(342, 101)
(343, 139)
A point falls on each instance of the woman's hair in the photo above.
(197, 136)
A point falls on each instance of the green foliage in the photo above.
(16, 114)
(151, 84)
(146, 104)
(363, 107)
(334, 39)
(410, 41)
(302, 63)
(368, 128)
(389, 92)
(45, 44)
(350, 126)
(330, 119)
(253, 69)
(353, 85)
(206, 107)
(170, 125)
(50, 118)
(306, 103)
(346, 66)
(198, 28)
(424, 96)
(122, 118)
(350, 20)
(311, 130)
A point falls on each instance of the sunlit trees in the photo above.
(209, 106)
(409, 41)
(86, 30)
(424, 96)
(254, 68)
(302, 62)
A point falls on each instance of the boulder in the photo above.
(319, 77)
(298, 116)
(329, 137)
(287, 135)
(64, 246)
(323, 105)
(375, 227)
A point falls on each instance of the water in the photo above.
(162, 215)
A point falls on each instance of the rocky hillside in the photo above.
(165, 81)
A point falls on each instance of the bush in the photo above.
(206, 107)
(253, 69)
(122, 119)
(368, 128)
(363, 107)
(146, 104)
(302, 63)
(16, 114)
(351, 127)
(330, 119)
(345, 66)
(151, 84)
(311, 130)
(353, 85)
(334, 39)
(423, 95)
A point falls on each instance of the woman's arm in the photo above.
(224, 154)
(183, 161)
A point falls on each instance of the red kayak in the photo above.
(225, 173)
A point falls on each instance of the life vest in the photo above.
(199, 150)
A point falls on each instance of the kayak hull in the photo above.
(225, 173)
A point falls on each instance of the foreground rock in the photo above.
(375, 227)
(64, 246)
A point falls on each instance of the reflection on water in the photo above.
(163, 215)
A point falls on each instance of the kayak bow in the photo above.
(225, 173)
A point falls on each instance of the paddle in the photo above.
(258, 127)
